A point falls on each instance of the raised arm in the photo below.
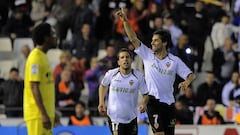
(128, 29)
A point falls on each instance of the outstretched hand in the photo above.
(122, 13)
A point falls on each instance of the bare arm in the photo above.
(145, 99)
(128, 29)
(102, 107)
(38, 99)
(183, 85)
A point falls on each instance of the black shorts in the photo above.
(161, 116)
(124, 129)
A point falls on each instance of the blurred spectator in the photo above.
(237, 6)
(12, 92)
(79, 15)
(183, 114)
(154, 11)
(105, 20)
(4, 9)
(188, 99)
(21, 60)
(19, 24)
(175, 31)
(80, 118)
(197, 31)
(47, 11)
(183, 50)
(211, 116)
(228, 87)
(224, 61)
(92, 77)
(139, 13)
(67, 5)
(235, 95)
(221, 31)
(208, 89)
(64, 58)
(67, 92)
(76, 68)
(110, 60)
(84, 46)
(155, 24)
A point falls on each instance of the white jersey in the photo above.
(160, 74)
(123, 94)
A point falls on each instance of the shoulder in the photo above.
(115, 70)
(137, 72)
(112, 72)
(173, 57)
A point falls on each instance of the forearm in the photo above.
(102, 92)
(38, 97)
(145, 99)
(190, 78)
(130, 33)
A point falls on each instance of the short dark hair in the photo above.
(165, 36)
(13, 69)
(81, 103)
(125, 50)
(40, 32)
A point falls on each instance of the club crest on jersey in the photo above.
(168, 64)
(131, 82)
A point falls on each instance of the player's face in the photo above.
(157, 44)
(52, 39)
(124, 60)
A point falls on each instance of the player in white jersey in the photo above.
(124, 84)
(161, 68)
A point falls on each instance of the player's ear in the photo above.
(118, 62)
(165, 43)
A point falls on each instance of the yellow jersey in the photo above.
(38, 70)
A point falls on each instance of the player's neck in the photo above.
(162, 54)
(125, 71)
(42, 48)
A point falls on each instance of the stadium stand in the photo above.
(5, 44)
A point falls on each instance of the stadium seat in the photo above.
(5, 44)
(231, 131)
(5, 66)
(18, 43)
(53, 56)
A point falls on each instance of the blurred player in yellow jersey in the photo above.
(39, 93)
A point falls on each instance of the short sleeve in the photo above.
(106, 79)
(144, 52)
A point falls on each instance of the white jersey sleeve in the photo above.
(108, 77)
(182, 69)
(144, 52)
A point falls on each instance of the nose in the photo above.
(151, 42)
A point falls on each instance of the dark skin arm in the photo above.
(38, 99)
